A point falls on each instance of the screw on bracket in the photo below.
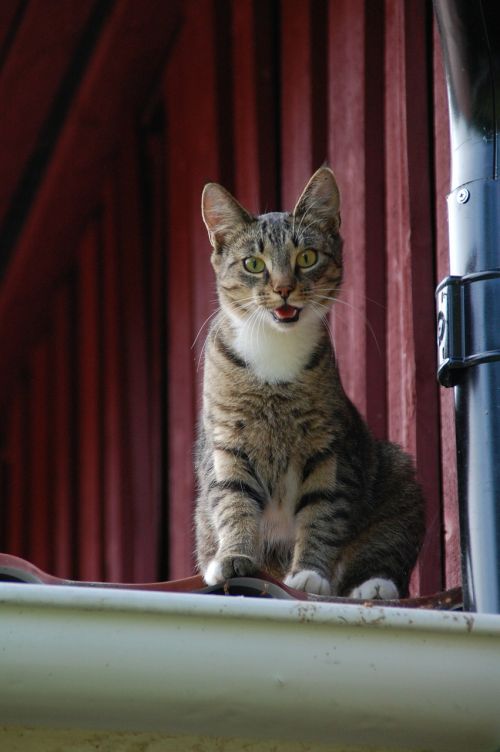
(463, 196)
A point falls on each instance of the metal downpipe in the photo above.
(469, 300)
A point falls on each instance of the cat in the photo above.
(290, 479)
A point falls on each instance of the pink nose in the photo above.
(283, 289)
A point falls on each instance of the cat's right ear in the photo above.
(221, 213)
(320, 200)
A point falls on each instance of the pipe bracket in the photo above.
(467, 325)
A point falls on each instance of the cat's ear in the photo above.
(221, 213)
(320, 201)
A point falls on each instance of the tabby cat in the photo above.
(290, 480)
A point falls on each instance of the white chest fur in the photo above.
(277, 354)
(278, 519)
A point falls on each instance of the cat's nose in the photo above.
(284, 289)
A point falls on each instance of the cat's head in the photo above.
(280, 268)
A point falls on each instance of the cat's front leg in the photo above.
(322, 529)
(236, 511)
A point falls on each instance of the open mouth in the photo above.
(286, 314)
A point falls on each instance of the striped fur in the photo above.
(290, 479)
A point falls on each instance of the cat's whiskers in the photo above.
(251, 323)
(257, 325)
(338, 316)
(205, 343)
(359, 295)
(352, 307)
(260, 323)
(209, 318)
(202, 354)
(246, 299)
(323, 312)
(243, 303)
(248, 303)
(262, 320)
(317, 310)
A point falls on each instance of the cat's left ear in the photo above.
(320, 201)
(221, 213)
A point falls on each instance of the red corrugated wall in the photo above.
(108, 285)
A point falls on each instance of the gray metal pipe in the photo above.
(469, 300)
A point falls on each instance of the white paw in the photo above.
(213, 573)
(376, 588)
(308, 580)
(234, 565)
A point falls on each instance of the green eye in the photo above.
(254, 264)
(307, 258)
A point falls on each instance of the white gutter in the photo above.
(246, 667)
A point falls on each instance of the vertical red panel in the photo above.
(62, 460)
(17, 472)
(412, 389)
(192, 160)
(180, 361)
(374, 227)
(267, 63)
(448, 445)
(418, 31)
(256, 105)
(401, 354)
(246, 139)
(116, 492)
(157, 327)
(299, 115)
(90, 532)
(208, 155)
(356, 152)
(41, 531)
(144, 506)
